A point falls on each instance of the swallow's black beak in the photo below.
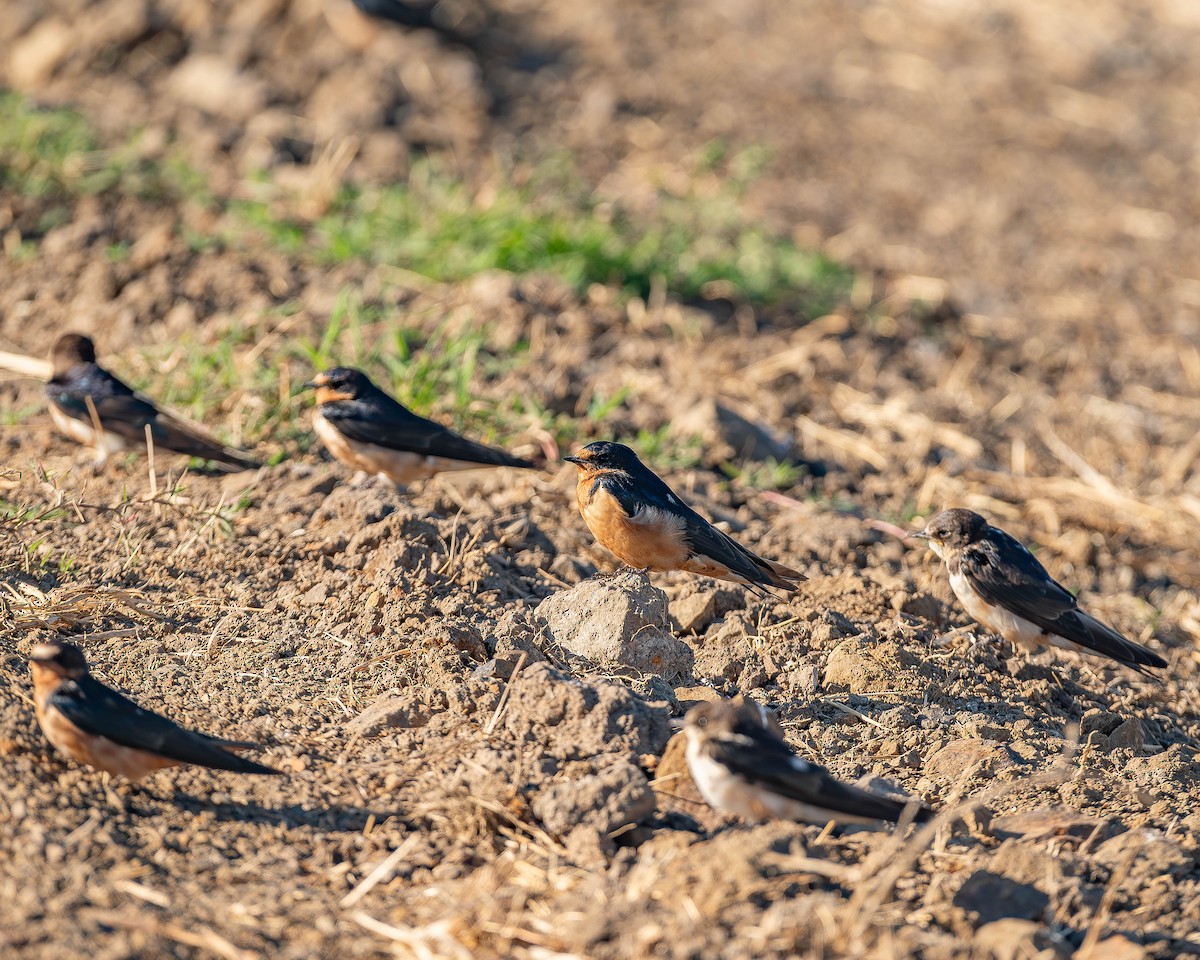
(920, 535)
(578, 461)
(676, 724)
(309, 385)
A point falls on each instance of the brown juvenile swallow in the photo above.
(96, 725)
(1003, 587)
(123, 415)
(741, 766)
(636, 516)
(367, 430)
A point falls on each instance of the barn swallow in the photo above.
(123, 414)
(1002, 586)
(742, 766)
(366, 429)
(636, 516)
(96, 725)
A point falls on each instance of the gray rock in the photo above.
(614, 797)
(959, 758)
(569, 720)
(392, 710)
(990, 897)
(619, 623)
(694, 610)
(1154, 855)
(729, 435)
(863, 665)
(1128, 735)
(1096, 719)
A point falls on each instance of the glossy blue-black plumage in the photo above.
(636, 488)
(98, 710)
(1005, 574)
(371, 416)
(759, 757)
(1001, 573)
(126, 414)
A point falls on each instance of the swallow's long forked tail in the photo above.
(1085, 630)
(783, 576)
(172, 434)
(1006, 589)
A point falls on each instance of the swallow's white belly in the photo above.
(727, 792)
(399, 466)
(1016, 630)
(83, 433)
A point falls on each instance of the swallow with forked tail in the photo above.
(1004, 587)
(741, 766)
(98, 726)
(367, 430)
(116, 417)
(637, 517)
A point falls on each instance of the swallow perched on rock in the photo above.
(1003, 587)
(122, 414)
(741, 766)
(96, 725)
(366, 429)
(636, 516)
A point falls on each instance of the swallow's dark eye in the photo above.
(702, 722)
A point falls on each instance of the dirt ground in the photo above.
(1015, 182)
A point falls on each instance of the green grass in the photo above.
(433, 225)
(542, 218)
(769, 474)
(539, 218)
(55, 154)
(44, 152)
(437, 371)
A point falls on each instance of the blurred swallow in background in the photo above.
(96, 725)
(741, 766)
(121, 414)
(367, 430)
(636, 516)
(1003, 587)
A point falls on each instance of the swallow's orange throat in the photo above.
(654, 542)
(45, 681)
(586, 482)
(331, 395)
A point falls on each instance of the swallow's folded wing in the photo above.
(388, 424)
(124, 412)
(1007, 575)
(761, 758)
(101, 711)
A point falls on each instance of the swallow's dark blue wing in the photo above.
(101, 711)
(645, 490)
(125, 413)
(1007, 575)
(381, 421)
(759, 757)
(114, 401)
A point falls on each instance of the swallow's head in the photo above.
(605, 455)
(953, 530)
(71, 349)
(713, 718)
(64, 660)
(340, 383)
